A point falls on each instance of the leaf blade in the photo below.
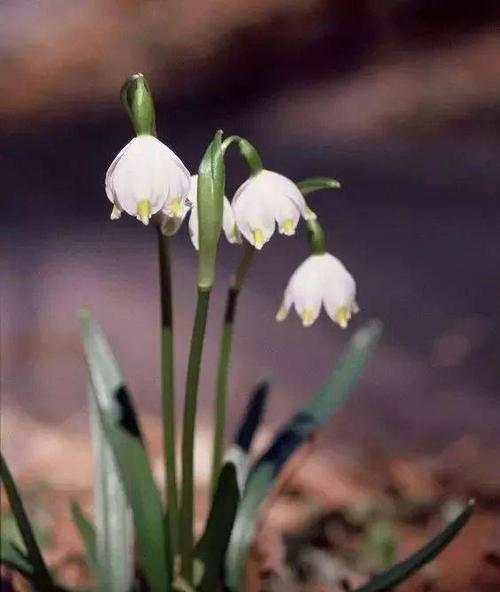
(122, 432)
(319, 408)
(215, 539)
(316, 184)
(403, 570)
(87, 534)
(41, 573)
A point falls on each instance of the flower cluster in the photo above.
(147, 178)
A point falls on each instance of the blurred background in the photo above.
(398, 99)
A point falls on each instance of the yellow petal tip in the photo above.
(282, 313)
(342, 316)
(115, 213)
(307, 317)
(258, 238)
(143, 211)
(287, 228)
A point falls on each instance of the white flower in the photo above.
(170, 226)
(264, 200)
(320, 279)
(146, 177)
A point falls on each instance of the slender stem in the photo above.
(190, 402)
(167, 388)
(224, 358)
(41, 573)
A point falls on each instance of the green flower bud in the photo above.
(210, 195)
(138, 101)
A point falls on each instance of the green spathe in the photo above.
(210, 192)
(138, 101)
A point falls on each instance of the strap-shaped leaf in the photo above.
(122, 432)
(40, 576)
(210, 196)
(115, 566)
(212, 547)
(316, 184)
(114, 570)
(11, 556)
(319, 409)
(387, 580)
(238, 453)
(252, 416)
(87, 534)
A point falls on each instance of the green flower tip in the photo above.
(84, 315)
(137, 99)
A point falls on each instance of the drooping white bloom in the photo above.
(320, 280)
(228, 222)
(147, 177)
(264, 200)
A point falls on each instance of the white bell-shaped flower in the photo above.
(228, 221)
(264, 200)
(320, 280)
(147, 177)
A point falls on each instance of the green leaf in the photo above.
(114, 529)
(41, 575)
(121, 429)
(212, 547)
(11, 556)
(87, 534)
(252, 416)
(319, 409)
(210, 196)
(114, 569)
(395, 575)
(316, 184)
(238, 453)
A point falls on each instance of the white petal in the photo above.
(307, 288)
(229, 223)
(340, 289)
(253, 212)
(284, 308)
(145, 169)
(286, 213)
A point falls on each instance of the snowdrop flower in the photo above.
(265, 199)
(170, 226)
(147, 177)
(320, 279)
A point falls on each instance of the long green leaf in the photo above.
(114, 529)
(121, 430)
(87, 534)
(41, 575)
(316, 184)
(387, 580)
(318, 410)
(252, 416)
(11, 556)
(213, 544)
(239, 452)
(114, 570)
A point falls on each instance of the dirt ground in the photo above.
(334, 517)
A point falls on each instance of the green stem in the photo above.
(316, 237)
(224, 358)
(42, 578)
(167, 388)
(190, 402)
(248, 152)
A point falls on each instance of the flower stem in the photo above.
(167, 387)
(190, 401)
(224, 358)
